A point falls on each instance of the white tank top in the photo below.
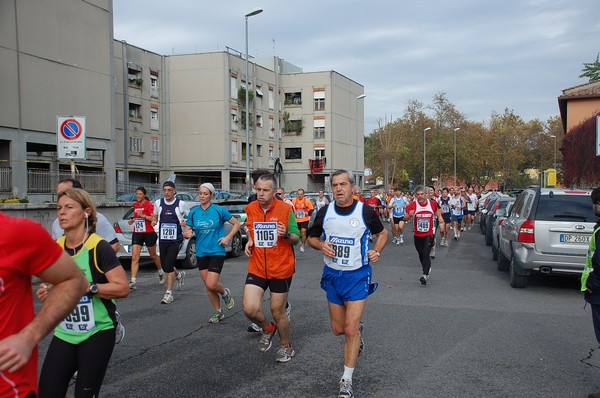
(320, 203)
(350, 237)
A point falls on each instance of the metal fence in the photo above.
(44, 181)
(5, 179)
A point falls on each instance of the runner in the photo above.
(21, 242)
(280, 194)
(341, 232)
(358, 195)
(444, 203)
(471, 211)
(424, 211)
(103, 227)
(375, 202)
(303, 208)
(169, 214)
(457, 204)
(207, 221)
(432, 196)
(84, 341)
(398, 205)
(272, 231)
(143, 234)
(321, 201)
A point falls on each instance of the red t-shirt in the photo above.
(26, 249)
(146, 209)
(423, 217)
(374, 202)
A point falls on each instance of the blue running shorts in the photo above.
(342, 286)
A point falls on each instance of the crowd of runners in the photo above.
(348, 231)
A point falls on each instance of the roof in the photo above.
(582, 91)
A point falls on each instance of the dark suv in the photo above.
(548, 230)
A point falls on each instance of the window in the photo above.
(271, 99)
(154, 119)
(244, 150)
(134, 76)
(135, 111)
(234, 119)
(155, 145)
(319, 128)
(319, 97)
(258, 150)
(234, 152)
(136, 144)
(154, 84)
(234, 90)
(155, 150)
(259, 121)
(319, 153)
(293, 98)
(293, 153)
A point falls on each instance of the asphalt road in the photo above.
(466, 334)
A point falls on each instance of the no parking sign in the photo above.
(70, 137)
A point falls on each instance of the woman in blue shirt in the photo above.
(208, 224)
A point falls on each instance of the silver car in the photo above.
(548, 230)
(187, 254)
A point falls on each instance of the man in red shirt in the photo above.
(26, 249)
(374, 202)
(424, 211)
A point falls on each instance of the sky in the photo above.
(485, 55)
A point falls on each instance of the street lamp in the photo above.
(455, 130)
(362, 96)
(424, 155)
(553, 136)
(252, 13)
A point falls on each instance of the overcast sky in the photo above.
(485, 55)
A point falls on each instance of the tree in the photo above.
(591, 70)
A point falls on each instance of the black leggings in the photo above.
(423, 244)
(89, 359)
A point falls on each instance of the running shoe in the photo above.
(119, 329)
(266, 340)
(455, 237)
(402, 239)
(228, 300)
(346, 389)
(285, 353)
(253, 328)
(161, 278)
(432, 254)
(301, 249)
(398, 242)
(167, 298)
(216, 317)
(132, 285)
(181, 280)
(423, 279)
(394, 240)
(361, 326)
(288, 310)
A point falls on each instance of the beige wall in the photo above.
(579, 110)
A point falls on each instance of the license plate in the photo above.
(569, 238)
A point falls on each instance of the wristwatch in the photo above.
(287, 234)
(378, 254)
(93, 289)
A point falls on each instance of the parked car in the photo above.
(187, 253)
(548, 230)
(500, 215)
(488, 204)
(490, 219)
(126, 197)
(236, 208)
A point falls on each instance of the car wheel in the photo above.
(516, 280)
(494, 253)
(236, 246)
(190, 260)
(503, 262)
(488, 237)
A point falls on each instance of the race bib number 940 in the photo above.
(265, 234)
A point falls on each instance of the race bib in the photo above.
(139, 225)
(423, 224)
(265, 234)
(445, 208)
(81, 319)
(168, 231)
(300, 213)
(342, 248)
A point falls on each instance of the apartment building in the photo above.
(149, 116)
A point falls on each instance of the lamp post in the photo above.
(425, 155)
(455, 130)
(252, 13)
(356, 176)
(553, 136)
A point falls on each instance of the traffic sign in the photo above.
(70, 136)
